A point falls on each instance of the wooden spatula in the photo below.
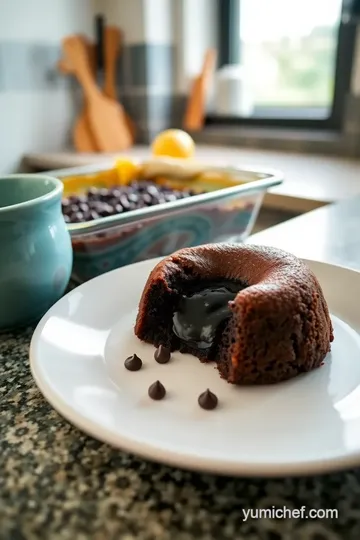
(82, 135)
(105, 116)
(196, 106)
(112, 45)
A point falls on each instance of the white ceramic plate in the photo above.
(307, 425)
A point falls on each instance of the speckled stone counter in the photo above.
(58, 484)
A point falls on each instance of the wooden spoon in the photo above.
(112, 44)
(83, 138)
(196, 106)
(106, 117)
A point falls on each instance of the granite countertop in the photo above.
(57, 483)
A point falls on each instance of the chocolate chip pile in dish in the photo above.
(104, 202)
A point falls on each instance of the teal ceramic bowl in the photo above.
(35, 248)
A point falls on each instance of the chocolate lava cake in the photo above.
(258, 312)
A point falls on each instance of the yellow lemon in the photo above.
(174, 143)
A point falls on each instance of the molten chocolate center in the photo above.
(200, 312)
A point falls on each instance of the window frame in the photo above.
(229, 53)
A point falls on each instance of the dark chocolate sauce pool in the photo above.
(200, 312)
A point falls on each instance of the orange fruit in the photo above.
(127, 170)
(174, 143)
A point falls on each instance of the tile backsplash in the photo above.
(145, 79)
(37, 103)
(29, 67)
(151, 65)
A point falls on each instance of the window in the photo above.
(293, 59)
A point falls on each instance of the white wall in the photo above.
(128, 15)
(188, 24)
(33, 121)
(142, 21)
(195, 29)
(158, 21)
(44, 20)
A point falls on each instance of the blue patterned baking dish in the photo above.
(224, 210)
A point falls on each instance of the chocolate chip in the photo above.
(103, 193)
(133, 363)
(133, 197)
(92, 192)
(83, 207)
(94, 215)
(111, 201)
(153, 190)
(207, 400)
(146, 198)
(106, 210)
(94, 204)
(74, 208)
(157, 390)
(76, 217)
(162, 355)
(124, 201)
(90, 215)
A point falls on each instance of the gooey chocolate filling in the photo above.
(200, 312)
